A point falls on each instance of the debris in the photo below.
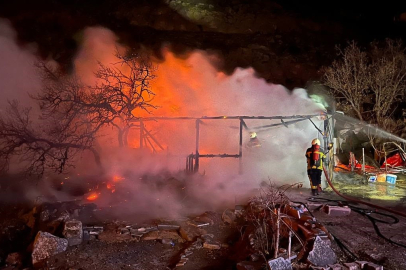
(245, 265)
(168, 227)
(372, 266)
(182, 262)
(46, 245)
(211, 245)
(254, 257)
(228, 217)
(321, 254)
(361, 264)
(335, 266)
(159, 235)
(352, 266)
(198, 224)
(93, 230)
(280, 264)
(73, 232)
(167, 241)
(337, 211)
(15, 259)
(239, 210)
(189, 233)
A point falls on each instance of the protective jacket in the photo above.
(315, 158)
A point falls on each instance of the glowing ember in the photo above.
(109, 186)
(117, 178)
(92, 197)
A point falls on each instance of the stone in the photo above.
(372, 266)
(47, 245)
(336, 266)
(228, 217)
(280, 264)
(319, 268)
(211, 245)
(15, 259)
(159, 235)
(189, 233)
(245, 265)
(361, 264)
(352, 266)
(337, 211)
(73, 232)
(167, 241)
(321, 254)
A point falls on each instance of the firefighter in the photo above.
(315, 158)
(254, 141)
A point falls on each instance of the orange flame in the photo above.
(92, 197)
(117, 178)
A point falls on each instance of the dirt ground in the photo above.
(112, 251)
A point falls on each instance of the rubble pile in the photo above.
(272, 232)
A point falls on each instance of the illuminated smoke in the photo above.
(193, 87)
(190, 86)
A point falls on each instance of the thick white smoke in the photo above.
(184, 87)
(193, 87)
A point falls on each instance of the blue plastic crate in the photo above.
(391, 178)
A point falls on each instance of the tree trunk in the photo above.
(120, 137)
(97, 159)
(125, 136)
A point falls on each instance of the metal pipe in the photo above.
(225, 117)
(240, 148)
(141, 134)
(197, 145)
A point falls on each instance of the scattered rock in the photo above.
(73, 232)
(159, 235)
(228, 217)
(361, 264)
(189, 233)
(336, 211)
(15, 259)
(372, 266)
(352, 266)
(336, 266)
(321, 254)
(280, 264)
(211, 245)
(46, 245)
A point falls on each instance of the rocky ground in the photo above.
(212, 240)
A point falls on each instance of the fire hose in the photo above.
(348, 198)
(367, 213)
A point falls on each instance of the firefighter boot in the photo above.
(319, 190)
(314, 192)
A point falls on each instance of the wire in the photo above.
(368, 214)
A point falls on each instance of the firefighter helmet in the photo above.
(316, 142)
(253, 135)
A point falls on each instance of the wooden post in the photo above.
(290, 244)
(277, 233)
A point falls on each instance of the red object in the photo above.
(393, 161)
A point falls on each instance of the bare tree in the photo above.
(388, 70)
(126, 85)
(51, 143)
(349, 77)
(122, 88)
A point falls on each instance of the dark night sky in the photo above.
(315, 28)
